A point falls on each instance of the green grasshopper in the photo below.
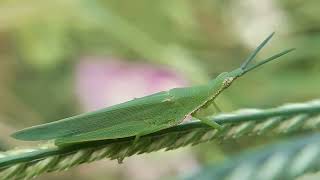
(145, 115)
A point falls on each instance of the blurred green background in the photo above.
(64, 57)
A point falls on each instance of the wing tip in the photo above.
(31, 134)
(23, 135)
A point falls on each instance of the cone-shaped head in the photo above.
(224, 80)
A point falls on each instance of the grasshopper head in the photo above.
(226, 79)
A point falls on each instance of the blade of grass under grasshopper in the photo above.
(288, 118)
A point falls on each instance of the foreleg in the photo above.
(209, 122)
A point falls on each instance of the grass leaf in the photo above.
(289, 118)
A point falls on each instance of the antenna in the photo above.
(255, 52)
(268, 59)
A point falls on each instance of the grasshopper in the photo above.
(145, 115)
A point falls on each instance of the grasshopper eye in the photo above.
(227, 82)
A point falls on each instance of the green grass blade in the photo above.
(290, 118)
(285, 160)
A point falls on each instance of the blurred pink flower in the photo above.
(102, 82)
